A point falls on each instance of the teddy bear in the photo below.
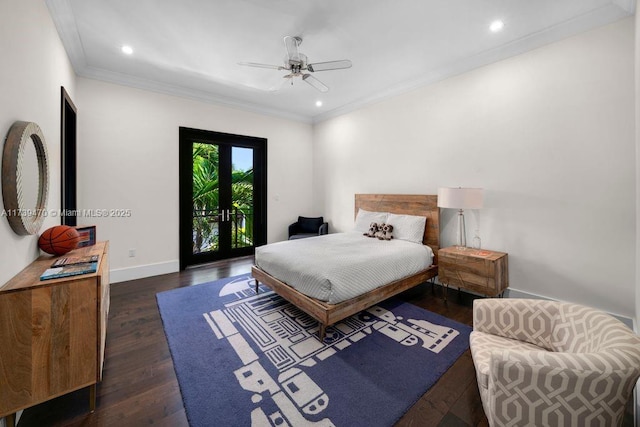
(385, 232)
(373, 229)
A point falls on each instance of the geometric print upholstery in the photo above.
(582, 372)
(519, 320)
(483, 345)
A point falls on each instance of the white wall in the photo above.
(637, 234)
(550, 136)
(128, 159)
(34, 66)
(637, 115)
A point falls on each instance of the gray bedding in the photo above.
(336, 267)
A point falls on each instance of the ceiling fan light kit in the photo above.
(297, 64)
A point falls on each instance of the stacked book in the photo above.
(71, 266)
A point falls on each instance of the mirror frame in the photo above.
(24, 220)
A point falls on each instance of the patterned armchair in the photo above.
(547, 363)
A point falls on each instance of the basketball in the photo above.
(59, 240)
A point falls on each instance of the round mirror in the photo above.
(25, 178)
(28, 176)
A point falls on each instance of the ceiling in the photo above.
(192, 47)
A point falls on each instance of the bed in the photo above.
(327, 313)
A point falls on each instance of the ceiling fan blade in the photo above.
(315, 82)
(291, 45)
(329, 65)
(257, 65)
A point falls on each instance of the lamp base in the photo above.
(461, 245)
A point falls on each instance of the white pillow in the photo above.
(365, 218)
(407, 227)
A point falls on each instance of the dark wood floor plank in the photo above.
(468, 407)
(140, 388)
(432, 407)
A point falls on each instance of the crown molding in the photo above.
(65, 22)
(627, 5)
(63, 17)
(180, 91)
(591, 20)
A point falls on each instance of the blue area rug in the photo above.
(244, 359)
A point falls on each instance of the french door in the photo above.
(222, 195)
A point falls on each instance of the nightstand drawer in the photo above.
(481, 271)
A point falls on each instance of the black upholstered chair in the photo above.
(308, 227)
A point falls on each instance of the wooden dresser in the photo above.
(52, 333)
(477, 270)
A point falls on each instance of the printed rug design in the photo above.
(245, 359)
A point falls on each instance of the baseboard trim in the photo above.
(516, 293)
(142, 271)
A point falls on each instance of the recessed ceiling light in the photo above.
(318, 103)
(496, 26)
(127, 50)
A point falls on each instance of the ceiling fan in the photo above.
(296, 63)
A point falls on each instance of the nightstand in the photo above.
(478, 270)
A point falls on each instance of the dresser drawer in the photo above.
(482, 271)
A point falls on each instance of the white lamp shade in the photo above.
(460, 198)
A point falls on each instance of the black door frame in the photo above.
(187, 136)
(68, 160)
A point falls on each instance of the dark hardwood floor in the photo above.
(139, 385)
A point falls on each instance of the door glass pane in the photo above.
(241, 197)
(206, 209)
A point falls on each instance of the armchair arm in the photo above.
(543, 388)
(293, 229)
(525, 320)
(324, 228)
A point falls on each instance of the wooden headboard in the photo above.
(407, 204)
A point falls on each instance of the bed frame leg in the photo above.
(322, 331)
(257, 286)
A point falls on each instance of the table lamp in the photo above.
(460, 198)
